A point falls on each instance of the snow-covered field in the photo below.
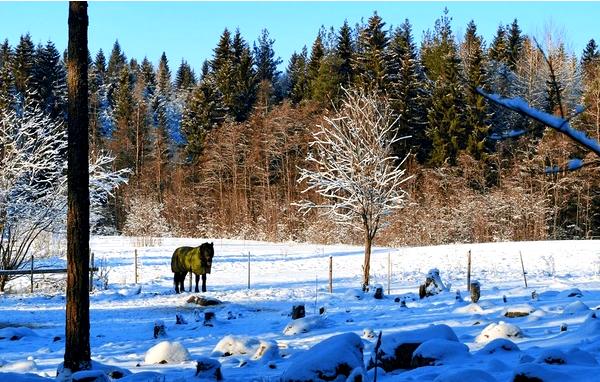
(257, 321)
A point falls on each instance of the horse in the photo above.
(191, 259)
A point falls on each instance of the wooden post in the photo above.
(523, 268)
(330, 274)
(135, 261)
(31, 273)
(469, 271)
(389, 272)
(92, 272)
(316, 292)
(248, 270)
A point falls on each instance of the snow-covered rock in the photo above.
(354, 294)
(333, 359)
(499, 330)
(576, 307)
(555, 356)
(573, 292)
(499, 345)
(90, 376)
(438, 351)
(537, 372)
(397, 349)
(521, 310)
(266, 351)
(235, 345)
(208, 368)
(304, 325)
(472, 308)
(21, 366)
(167, 352)
(15, 334)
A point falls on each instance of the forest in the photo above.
(218, 153)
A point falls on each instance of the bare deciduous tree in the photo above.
(354, 170)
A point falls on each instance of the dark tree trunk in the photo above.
(77, 342)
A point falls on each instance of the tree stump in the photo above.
(458, 297)
(159, 329)
(378, 295)
(534, 296)
(209, 318)
(563, 327)
(322, 310)
(433, 284)
(475, 291)
(208, 368)
(179, 319)
(298, 311)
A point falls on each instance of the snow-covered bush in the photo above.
(145, 218)
(328, 360)
(499, 330)
(438, 351)
(167, 352)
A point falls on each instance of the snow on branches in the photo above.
(353, 168)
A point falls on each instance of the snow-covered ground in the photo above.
(254, 325)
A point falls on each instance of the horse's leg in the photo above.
(176, 281)
(203, 282)
(197, 279)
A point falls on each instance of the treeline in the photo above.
(216, 153)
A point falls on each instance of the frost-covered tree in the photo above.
(145, 218)
(353, 168)
(33, 184)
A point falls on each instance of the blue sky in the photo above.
(190, 30)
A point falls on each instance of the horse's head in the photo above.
(207, 251)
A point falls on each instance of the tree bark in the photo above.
(367, 263)
(77, 337)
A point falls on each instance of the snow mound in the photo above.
(235, 345)
(541, 372)
(266, 351)
(396, 349)
(304, 325)
(328, 360)
(21, 366)
(573, 292)
(144, 376)
(499, 330)
(436, 351)
(17, 333)
(465, 375)
(18, 377)
(576, 356)
(472, 308)
(576, 307)
(591, 325)
(167, 352)
(90, 375)
(354, 294)
(499, 345)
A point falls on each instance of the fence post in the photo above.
(92, 272)
(523, 267)
(135, 257)
(330, 274)
(469, 271)
(248, 269)
(31, 273)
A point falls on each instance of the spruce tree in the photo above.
(590, 57)
(406, 93)
(344, 51)
(475, 76)
(515, 44)
(245, 80)
(185, 79)
(23, 66)
(297, 77)
(49, 78)
(116, 62)
(317, 54)
(222, 68)
(264, 59)
(370, 63)
(499, 50)
(446, 114)
(7, 82)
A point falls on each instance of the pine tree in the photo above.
(499, 50)
(446, 117)
(406, 93)
(344, 51)
(515, 44)
(116, 62)
(202, 112)
(7, 82)
(475, 76)
(23, 65)
(590, 58)
(49, 79)
(370, 63)
(297, 75)
(185, 79)
(317, 54)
